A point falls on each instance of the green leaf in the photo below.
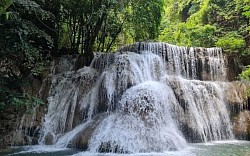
(4, 5)
(246, 73)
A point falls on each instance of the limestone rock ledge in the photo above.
(236, 97)
(238, 104)
(241, 125)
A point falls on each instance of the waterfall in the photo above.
(142, 122)
(145, 97)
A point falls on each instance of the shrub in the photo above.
(231, 43)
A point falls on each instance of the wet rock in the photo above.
(45, 88)
(241, 125)
(24, 126)
(106, 147)
(49, 139)
(83, 60)
(81, 140)
(235, 96)
(63, 64)
(234, 66)
(9, 120)
(190, 134)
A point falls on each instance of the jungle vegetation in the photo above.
(32, 32)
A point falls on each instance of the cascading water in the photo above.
(142, 122)
(146, 97)
(204, 109)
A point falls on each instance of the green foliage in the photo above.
(199, 16)
(246, 73)
(219, 23)
(144, 19)
(231, 43)
(208, 23)
(11, 95)
(21, 101)
(22, 42)
(33, 29)
(187, 24)
(89, 25)
(4, 4)
(245, 52)
(24, 49)
(246, 10)
(189, 35)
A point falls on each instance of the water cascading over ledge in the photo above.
(146, 97)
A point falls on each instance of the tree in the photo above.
(144, 18)
(24, 47)
(33, 30)
(90, 25)
(188, 22)
(85, 25)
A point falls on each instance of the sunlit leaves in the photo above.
(101, 25)
(246, 11)
(144, 18)
(246, 73)
(231, 43)
(189, 35)
(191, 22)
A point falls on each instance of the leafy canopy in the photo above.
(207, 23)
(33, 30)
(24, 49)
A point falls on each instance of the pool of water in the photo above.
(218, 148)
(223, 148)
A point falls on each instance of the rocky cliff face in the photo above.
(26, 128)
(9, 121)
(241, 125)
(238, 104)
(17, 126)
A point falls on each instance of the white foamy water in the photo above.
(203, 108)
(38, 149)
(142, 123)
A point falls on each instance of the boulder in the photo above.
(81, 140)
